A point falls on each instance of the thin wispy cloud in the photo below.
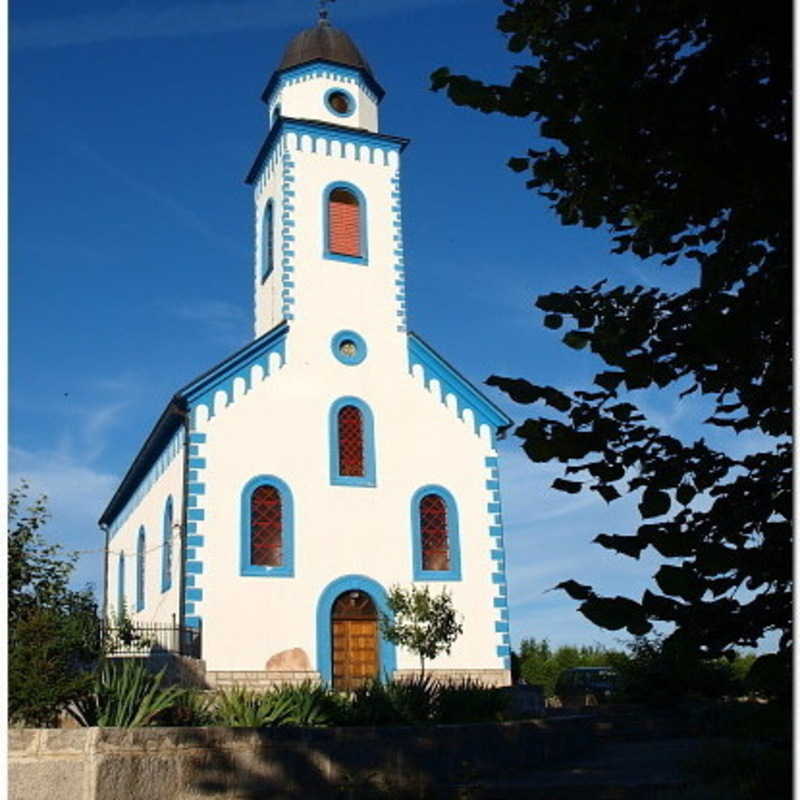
(224, 322)
(192, 19)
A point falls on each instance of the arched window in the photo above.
(435, 535)
(121, 585)
(352, 447)
(267, 528)
(166, 551)
(267, 241)
(140, 570)
(345, 223)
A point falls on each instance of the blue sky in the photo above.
(133, 125)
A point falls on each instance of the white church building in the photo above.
(283, 492)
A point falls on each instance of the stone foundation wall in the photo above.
(488, 677)
(263, 679)
(287, 763)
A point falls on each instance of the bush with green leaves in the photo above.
(53, 631)
(125, 694)
(469, 700)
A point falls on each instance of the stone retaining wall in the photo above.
(285, 763)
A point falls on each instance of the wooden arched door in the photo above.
(354, 636)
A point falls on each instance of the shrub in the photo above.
(124, 695)
(470, 701)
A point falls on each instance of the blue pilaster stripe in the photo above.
(498, 559)
(195, 541)
(288, 309)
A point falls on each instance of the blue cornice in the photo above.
(220, 378)
(201, 389)
(453, 382)
(317, 128)
(310, 66)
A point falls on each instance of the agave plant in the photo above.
(313, 705)
(124, 695)
(246, 708)
(469, 700)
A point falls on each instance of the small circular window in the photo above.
(340, 102)
(349, 347)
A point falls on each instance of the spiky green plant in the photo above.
(238, 707)
(124, 695)
(469, 700)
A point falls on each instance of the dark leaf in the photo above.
(572, 487)
(654, 503)
(577, 591)
(553, 321)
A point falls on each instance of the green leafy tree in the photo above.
(671, 128)
(53, 631)
(423, 623)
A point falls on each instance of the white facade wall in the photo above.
(301, 94)
(280, 428)
(164, 480)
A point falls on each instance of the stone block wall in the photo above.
(286, 763)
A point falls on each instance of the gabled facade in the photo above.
(283, 492)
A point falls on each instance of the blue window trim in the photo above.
(362, 223)
(361, 347)
(386, 651)
(286, 569)
(453, 542)
(350, 99)
(368, 437)
(267, 240)
(140, 576)
(166, 547)
(121, 585)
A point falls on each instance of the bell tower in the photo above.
(326, 188)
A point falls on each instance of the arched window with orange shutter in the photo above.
(345, 223)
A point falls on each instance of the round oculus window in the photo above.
(340, 102)
(348, 348)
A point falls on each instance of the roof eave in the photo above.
(374, 86)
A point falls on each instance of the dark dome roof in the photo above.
(323, 41)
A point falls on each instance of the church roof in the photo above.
(326, 43)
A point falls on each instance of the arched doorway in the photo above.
(354, 639)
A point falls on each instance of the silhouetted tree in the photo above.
(671, 123)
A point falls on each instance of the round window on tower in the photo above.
(340, 102)
(349, 348)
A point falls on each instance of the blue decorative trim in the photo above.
(172, 448)
(221, 378)
(351, 102)
(452, 382)
(362, 223)
(140, 575)
(267, 240)
(453, 538)
(374, 142)
(195, 515)
(320, 68)
(358, 341)
(368, 435)
(399, 265)
(287, 253)
(387, 655)
(498, 558)
(286, 569)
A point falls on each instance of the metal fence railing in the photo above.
(144, 639)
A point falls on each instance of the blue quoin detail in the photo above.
(452, 382)
(497, 556)
(246, 567)
(140, 576)
(362, 223)
(351, 102)
(360, 347)
(453, 540)
(220, 378)
(397, 223)
(287, 254)
(267, 240)
(368, 439)
(348, 583)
